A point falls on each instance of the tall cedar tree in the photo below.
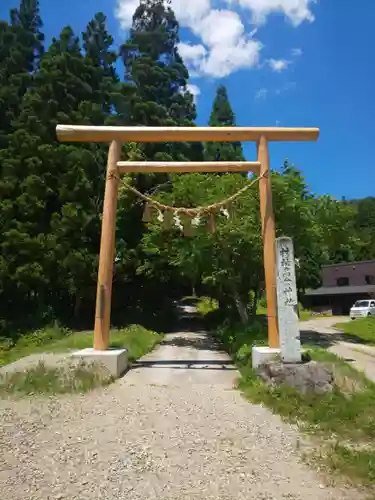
(110, 94)
(53, 192)
(21, 47)
(28, 18)
(114, 97)
(222, 116)
(154, 66)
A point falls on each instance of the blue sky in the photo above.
(284, 62)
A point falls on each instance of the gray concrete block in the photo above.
(263, 354)
(115, 360)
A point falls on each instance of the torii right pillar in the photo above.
(269, 240)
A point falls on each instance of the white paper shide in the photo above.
(287, 301)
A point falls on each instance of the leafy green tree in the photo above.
(323, 229)
(294, 206)
(227, 262)
(222, 115)
(339, 239)
(365, 226)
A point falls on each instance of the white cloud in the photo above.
(192, 54)
(228, 47)
(188, 12)
(193, 89)
(296, 52)
(225, 45)
(220, 27)
(263, 93)
(278, 65)
(296, 11)
(124, 12)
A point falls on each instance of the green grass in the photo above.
(347, 413)
(68, 377)
(42, 379)
(135, 338)
(356, 464)
(363, 329)
(343, 422)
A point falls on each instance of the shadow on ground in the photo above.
(325, 340)
(199, 341)
(183, 364)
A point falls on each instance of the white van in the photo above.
(362, 308)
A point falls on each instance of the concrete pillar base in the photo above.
(115, 360)
(262, 354)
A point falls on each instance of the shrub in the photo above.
(238, 340)
(42, 336)
(207, 305)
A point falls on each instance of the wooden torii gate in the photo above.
(117, 135)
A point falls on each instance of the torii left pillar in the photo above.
(107, 251)
(115, 360)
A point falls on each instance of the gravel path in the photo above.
(172, 428)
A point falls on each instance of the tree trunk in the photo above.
(255, 303)
(241, 307)
(77, 306)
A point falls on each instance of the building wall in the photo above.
(337, 304)
(356, 273)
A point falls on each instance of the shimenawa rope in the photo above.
(183, 210)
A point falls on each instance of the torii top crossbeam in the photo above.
(83, 133)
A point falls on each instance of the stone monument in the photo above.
(287, 307)
(287, 301)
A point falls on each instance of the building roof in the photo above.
(354, 263)
(342, 290)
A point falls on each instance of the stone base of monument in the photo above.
(263, 354)
(303, 377)
(115, 360)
